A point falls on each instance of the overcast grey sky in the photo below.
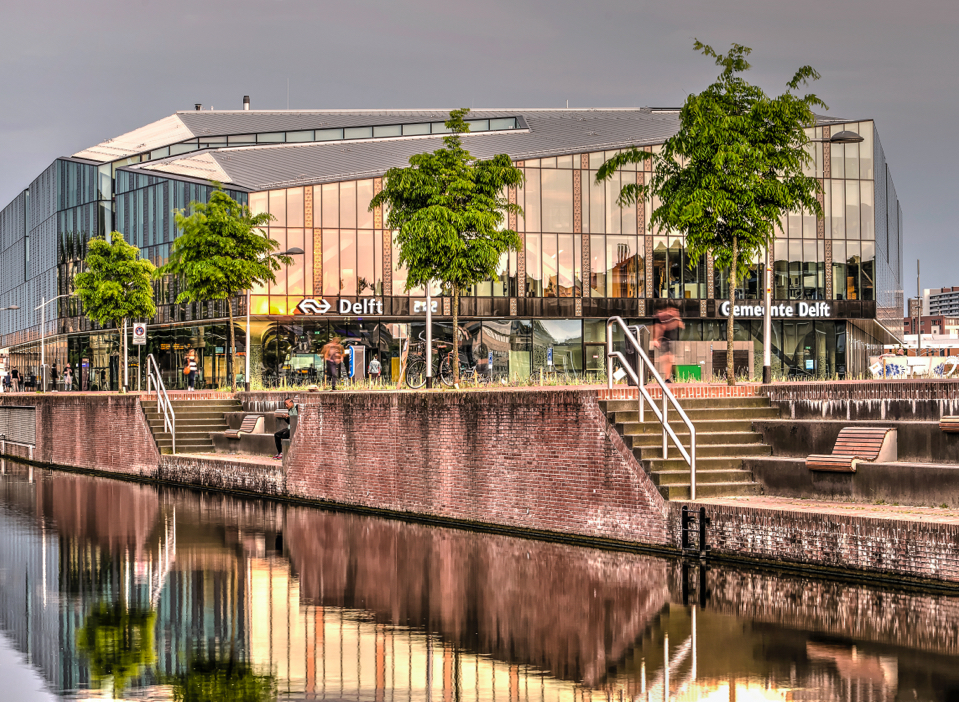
(75, 73)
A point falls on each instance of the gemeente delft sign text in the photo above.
(802, 310)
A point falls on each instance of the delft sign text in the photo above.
(313, 307)
(802, 310)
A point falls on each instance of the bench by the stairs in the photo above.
(949, 425)
(252, 424)
(855, 445)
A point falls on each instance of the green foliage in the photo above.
(222, 251)
(733, 169)
(221, 680)
(118, 642)
(116, 283)
(448, 209)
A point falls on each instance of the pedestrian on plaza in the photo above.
(284, 433)
(332, 353)
(15, 379)
(189, 370)
(68, 378)
(6, 382)
(53, 376)
(375, 368)
(665, 335)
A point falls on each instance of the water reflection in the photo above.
(114, 589)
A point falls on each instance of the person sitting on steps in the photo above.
(284, 433)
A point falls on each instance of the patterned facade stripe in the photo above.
(821, 219)
(826, 154)
(828, 269)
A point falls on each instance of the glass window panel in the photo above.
(416, 129)
(868, 224)
(597, 266)
(503, 123)
(660, 271)
(388, 130)
(781, 270)
(564, 265)
(177, 149)
(836, 159)
(348, 205)
(557, 188)
(399, 272)
(160, 153)
(295, 272)
(838, 210)
(852, 156)
(259, 203)
(596, 160)
(577, 246)
(550, 281)
(329, 195)
(534, 280)
(868, 270)
(331, 262)
(812, 272)
(532, 207)
(795, 225)
(294, 207)
(629, 212)
(809, 225)
(235, 139)
(279, 235)
(865, 151)
(795, 269)
(271, 138)
(532, 163)
(439, 128)
(365, 263)
(565, 161)
(852, 209)
(358, 132)
(613, 213)
(548, 162)
(328, 134)
(839, 270)
(852, 270)
(675, 255)
(364, 193)
(597, 205)
(478, 125)
(278, 208)
(296, 137)
(347, 262)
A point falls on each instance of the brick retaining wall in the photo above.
(222, 472)
(866, 400)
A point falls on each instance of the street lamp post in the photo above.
(43, 332)
(843, 137)
(295, 251)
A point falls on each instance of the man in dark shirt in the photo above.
(291, 411)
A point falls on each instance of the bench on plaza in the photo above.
(949, 425)
(252, 424)
(855, 445)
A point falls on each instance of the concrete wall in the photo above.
(867, 400)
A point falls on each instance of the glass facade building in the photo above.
(837, 280)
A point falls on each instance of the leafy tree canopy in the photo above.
(117, 283)
(448, 209)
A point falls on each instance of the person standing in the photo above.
(284, 433)
(15, 379)
(189, 370)
(375, 369)
(333, 355)
(68, 378)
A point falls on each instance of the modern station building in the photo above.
(838, 281)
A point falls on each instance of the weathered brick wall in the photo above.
(903, 548)
(542, 460)
(94, 431)
(866, 400)
(223, 473)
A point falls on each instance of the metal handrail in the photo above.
(163, 400)
(662, 417)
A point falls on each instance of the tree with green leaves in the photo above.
(733, 169)
(116, 283)
(448, 209)
(221, 252)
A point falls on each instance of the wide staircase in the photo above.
(724, 437)
(195, 419)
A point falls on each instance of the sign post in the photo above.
(139, 340)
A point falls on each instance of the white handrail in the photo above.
(163, 400)
(661, 416)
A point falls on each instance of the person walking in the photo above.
(284, 433)
(189, 370)
(14, 379)
(665, 335)
(68, 378)
(375, 369)
(333, 355)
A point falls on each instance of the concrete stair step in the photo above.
(719, 426)
(702, 438)
(211, 425)
(681, 492)
(696, 415)
(697, 403)
(186, 415)
(703, 477)
(677, 462)
(706, 451)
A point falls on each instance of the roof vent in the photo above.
(246, 102)
(198, 106)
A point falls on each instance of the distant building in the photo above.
(939, 301)
(933, 324)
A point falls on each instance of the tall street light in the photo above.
(844, 137)
(295, 251)
(43, 329)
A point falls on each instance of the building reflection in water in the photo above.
(117, 588)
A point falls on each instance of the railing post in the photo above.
(665, 423)
(609, 355)
(639, 393)
(692, 463)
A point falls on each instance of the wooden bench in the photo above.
(252, 424)
(854, 445)
(950, 425)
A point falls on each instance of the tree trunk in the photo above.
(229, 357)
(456, 335)
(730, 320)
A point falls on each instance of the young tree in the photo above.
(116, 283)
(222, 251)
(731, 171)
(448, 209)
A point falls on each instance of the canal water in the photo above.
(112, 589)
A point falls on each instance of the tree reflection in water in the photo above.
(223, 679)
(118, 643)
